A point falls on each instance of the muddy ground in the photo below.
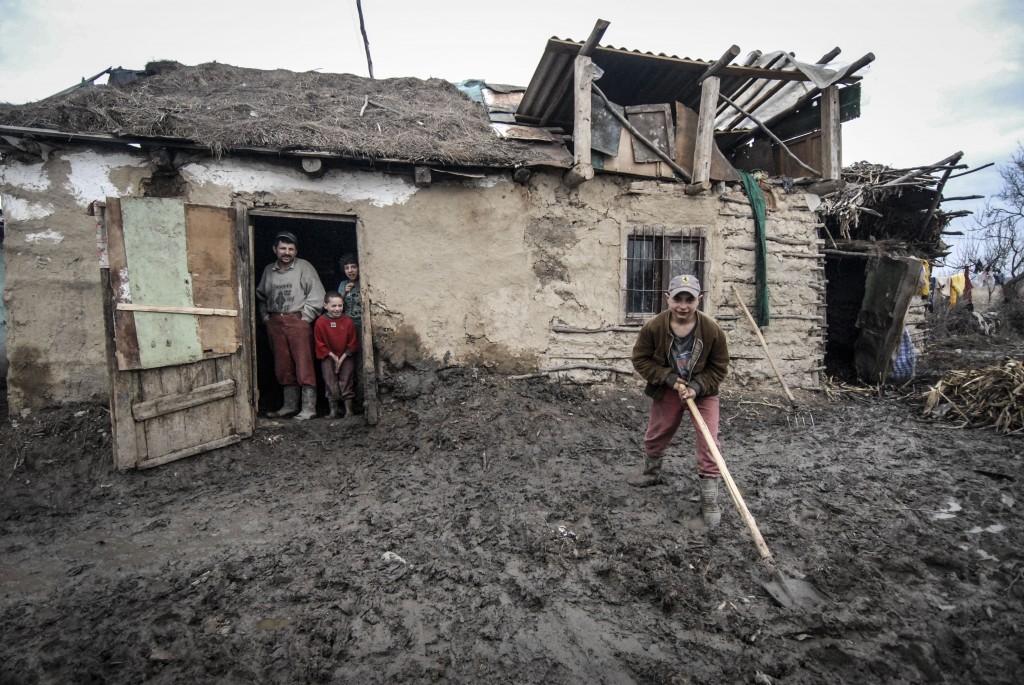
(483, 532)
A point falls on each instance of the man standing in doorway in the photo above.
(290, 298)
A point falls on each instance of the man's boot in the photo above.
(651, 474)
(350, 411)
(333, 404)
(308, 403)
(709, 508)
(291, 403)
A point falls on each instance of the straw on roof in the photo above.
(228, 108)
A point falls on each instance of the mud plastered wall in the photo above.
(795, 335)
(52, 287)
(795, 280)
(467, 271)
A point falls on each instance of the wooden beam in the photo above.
(421, 176)
(831, 134)
(150, 409)
(583, 78)
(705, 142)
(314, 166)
(600, 26)
(723, 61)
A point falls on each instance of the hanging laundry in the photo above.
(956, 288)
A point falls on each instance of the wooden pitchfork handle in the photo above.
(764, 345)
(730, 485)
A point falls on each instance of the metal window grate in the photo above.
(653, 256)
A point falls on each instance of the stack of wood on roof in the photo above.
(894, 208)
(991, 396)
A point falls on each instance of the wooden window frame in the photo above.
(661, 239)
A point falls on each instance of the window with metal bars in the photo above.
(653, 256)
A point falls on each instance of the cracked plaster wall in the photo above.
(468, 272)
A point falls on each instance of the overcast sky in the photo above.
(947, 75)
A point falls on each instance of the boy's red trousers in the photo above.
(666, 415)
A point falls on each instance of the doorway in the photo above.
(323, 240)
(844, 294)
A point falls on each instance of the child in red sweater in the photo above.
(336, 344)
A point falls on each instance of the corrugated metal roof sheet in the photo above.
(763, 84)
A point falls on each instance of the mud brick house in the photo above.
(528, 230)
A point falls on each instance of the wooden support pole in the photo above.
(764, 345)
(366, 39)
(831, 134)
(705, 142)
(583, 78)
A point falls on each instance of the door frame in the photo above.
(245, 215)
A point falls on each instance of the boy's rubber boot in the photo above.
(349, 408)
(308, 403)
(291, 403)
(709, 508)
(333, 404)
(651, 474)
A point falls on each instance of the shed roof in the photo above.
(226, 108)
(765, 84)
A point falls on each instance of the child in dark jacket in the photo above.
(683, 354)
(336, 344)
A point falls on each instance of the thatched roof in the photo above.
(226, 108)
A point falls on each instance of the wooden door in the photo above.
(179, 350)
(889, 285)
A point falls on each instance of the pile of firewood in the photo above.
(991, 396)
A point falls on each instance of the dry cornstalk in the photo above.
(991, 396)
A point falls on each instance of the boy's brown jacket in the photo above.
(652, 354)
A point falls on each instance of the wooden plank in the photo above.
(213, 262)
(197, 311)
(705, 140)
(605, 128)
(170, 403)
(625, 162)
(807, 148)
(890, 285)
(126, 342)
(831, 134)
(167, 433)
(653, 122)
(243, 364)
(121, 386)
(154, 240)
(190, 451)
(686, 140)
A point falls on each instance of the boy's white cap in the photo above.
(684, 283)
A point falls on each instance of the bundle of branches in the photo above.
(877, 202)
(991, 396)
(224, 108)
